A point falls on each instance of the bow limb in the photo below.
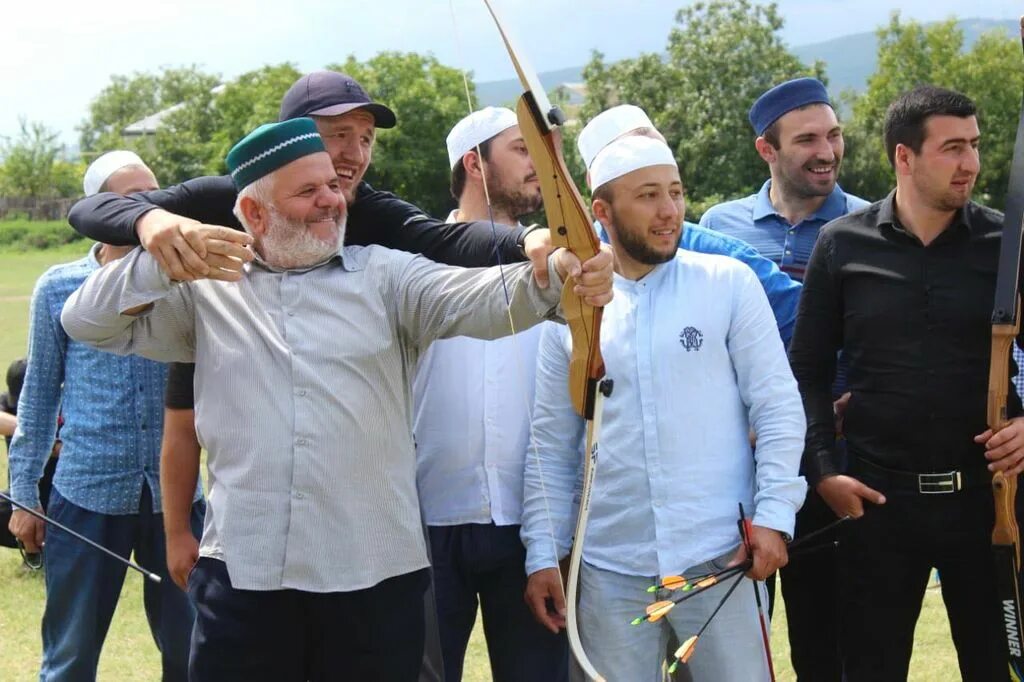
(571, 228)
(1005, 327)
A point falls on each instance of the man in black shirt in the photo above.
(905, 288)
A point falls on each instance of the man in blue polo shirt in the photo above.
(799, 137)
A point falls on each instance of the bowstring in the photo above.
(516, 350)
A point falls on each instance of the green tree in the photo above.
(252, 99)
(910, 54)
(428, 98)
(128, 99)
(33, 165)
(721, 56)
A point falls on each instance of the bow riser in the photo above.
(571, 228)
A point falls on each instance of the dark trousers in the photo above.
(371, 635)
(486, 562)
(886, 558)
(83, 586)
(810, 589)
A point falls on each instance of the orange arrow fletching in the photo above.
(684, 652)
(658, 609)
(672, 582)
(707, 582)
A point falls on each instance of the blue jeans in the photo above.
(730, 650)
(83, 586)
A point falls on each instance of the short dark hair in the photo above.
(459, 172)
(907, 116)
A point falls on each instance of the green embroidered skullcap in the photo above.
(271, 146)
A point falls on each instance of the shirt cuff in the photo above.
(818, 466)
(27, 495)
(777, 515)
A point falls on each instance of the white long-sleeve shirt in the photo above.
(696, 358)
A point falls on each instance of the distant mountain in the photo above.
(849, 61)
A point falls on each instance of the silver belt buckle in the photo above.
(939, 484)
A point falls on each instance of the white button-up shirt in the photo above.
(471, 421)
(303, 397)
(696, 358)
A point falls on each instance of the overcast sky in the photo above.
(55, 56)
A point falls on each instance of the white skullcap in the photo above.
(477, 128)
(628, 154)
(105, 166)
(607, 126)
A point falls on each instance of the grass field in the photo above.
(129, 653)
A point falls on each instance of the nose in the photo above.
(327, 197)
(971, 161)
(671, 210)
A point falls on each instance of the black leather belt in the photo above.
(931, 483)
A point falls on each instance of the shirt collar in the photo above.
(887, 216)
(258, 261)
(833, 207)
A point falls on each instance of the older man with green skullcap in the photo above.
(312, 563)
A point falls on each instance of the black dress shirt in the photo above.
(915, 323)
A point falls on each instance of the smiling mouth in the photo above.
(822, 170)
(345, 173)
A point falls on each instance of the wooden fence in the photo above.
(35, 209)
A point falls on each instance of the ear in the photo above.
(902, 159)
(471, 164)
(765, 150)
(256, 215)
(602, 212)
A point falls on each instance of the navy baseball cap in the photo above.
(329, 93)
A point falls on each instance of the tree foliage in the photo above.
(128, 99)
(720, 56)
(34, 166)
(910, 54)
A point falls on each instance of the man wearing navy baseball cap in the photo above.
(799, 137)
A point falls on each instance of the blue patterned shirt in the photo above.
(783, 291)
(754, 220)
(112, 408)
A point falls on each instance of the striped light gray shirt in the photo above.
(303, 397)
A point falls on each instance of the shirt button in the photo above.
(291, 313)
(301, 391)
(657, 503)
(298, 496)
(300, 441)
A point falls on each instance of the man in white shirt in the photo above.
(694, 351)
(312, 562)
(473, 400)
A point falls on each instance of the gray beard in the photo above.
(288, 244)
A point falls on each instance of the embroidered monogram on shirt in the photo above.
(691, 338)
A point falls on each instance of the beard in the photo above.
(288, 243)
(636, 248)
(796, 185)
(513, 198)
